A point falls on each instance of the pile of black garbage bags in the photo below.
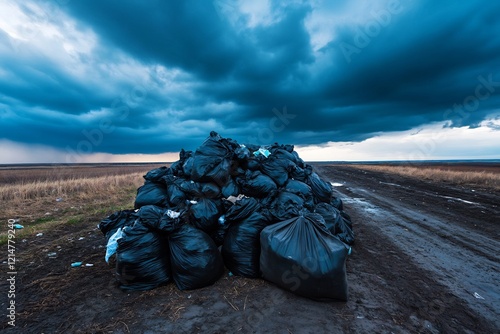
(257, 211)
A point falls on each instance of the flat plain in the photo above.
(425, 260)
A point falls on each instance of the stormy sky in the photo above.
(342, 80)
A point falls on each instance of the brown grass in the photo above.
(44, 204)
(77, 188)
(51, 173)
(440, 174)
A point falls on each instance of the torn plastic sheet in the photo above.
(234, 199)
(112, 245)
(262, 151)
(173, 214)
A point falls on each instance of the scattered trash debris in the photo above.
(81, 238)
(76, 264)
(478, 296)
(18, 226)
(59, 199)
(89, 264)
(53, 254)
(39, 234)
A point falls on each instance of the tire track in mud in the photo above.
(462, 259)
(424, 224)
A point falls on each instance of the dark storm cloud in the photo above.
(407, 64)
(36, 81)
(426, 60)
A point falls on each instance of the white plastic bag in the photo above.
(113, 244)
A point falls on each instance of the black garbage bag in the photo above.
(189, 187)
(267, 202)
(238, 168)
(337, 222)
(298, 161)
(230, 189)
(175, 195)
(220, 232)
(212, 160)
(283, 152)
(177, 167)
(337, 203)
(162, 220)
(151, 193)
(277, 169)
(321, 189)
(298, 173)
(150, 215)
(287, 152)
(253, 164)
(256, 184)
(196, 261)
(241, 248)
(204, 214)
(302, 256)
(288, 147)
(301, 189)
(117, 220)
(155, 175)
(142, 258)
(242, 153)
(240, 208)
(286, 205)
(187, 167)
(209, 190)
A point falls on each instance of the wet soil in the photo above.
(425, 260)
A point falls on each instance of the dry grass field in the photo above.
(75, 188)
(27, 174)
(488, 177)
(45, 197)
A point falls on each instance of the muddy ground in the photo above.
(426, 260)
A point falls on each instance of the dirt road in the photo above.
(435, 243)
(422, 252)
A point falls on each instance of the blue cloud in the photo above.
(163, 74)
